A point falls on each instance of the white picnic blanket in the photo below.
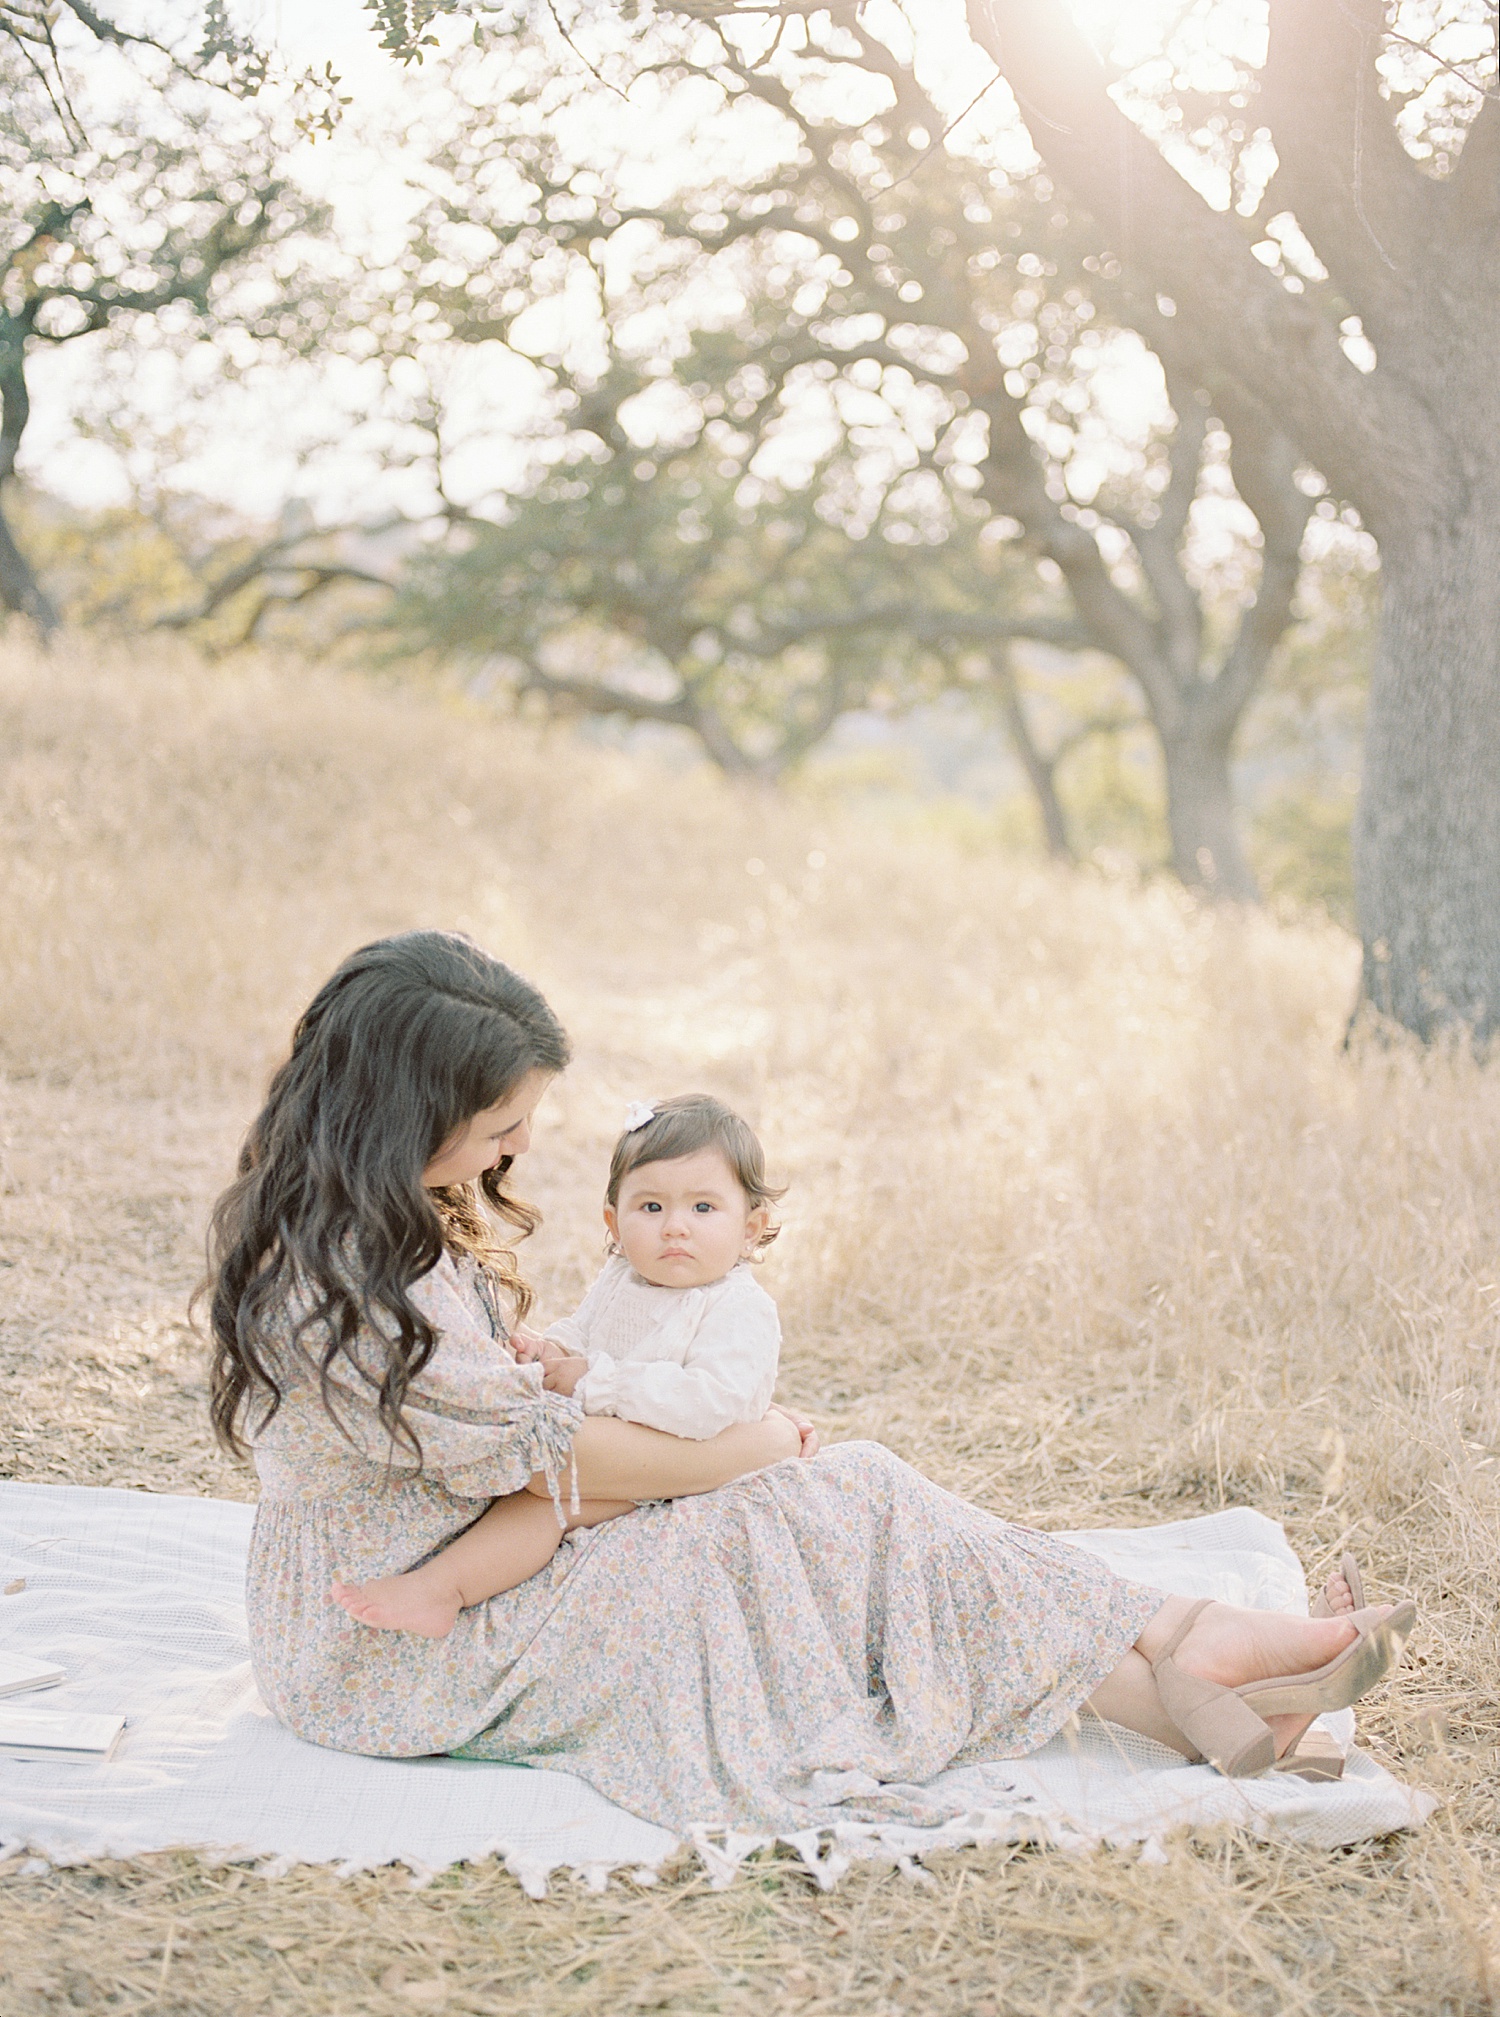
(140, 1598)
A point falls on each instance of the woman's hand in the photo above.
(527, 1344)
(811, 1442)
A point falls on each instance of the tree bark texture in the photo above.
(1427, 838)
(1414, 443)
(20, 591)
(1195, 706)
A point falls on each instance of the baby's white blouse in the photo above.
(689, 1361)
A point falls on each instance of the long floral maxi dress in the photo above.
(724, 1659)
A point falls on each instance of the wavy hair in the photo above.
(328, 1217)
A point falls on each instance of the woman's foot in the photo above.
(409, 1603)
(1232, 1647)
(1338, 1596)
(1343, 1592)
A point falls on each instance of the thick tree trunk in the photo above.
(1206, 850)
(1427, 839)
(1410, 442)
(20, 590)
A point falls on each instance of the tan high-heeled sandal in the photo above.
(1349, 1570)
(1220, 1727)
(1339, 1682)
(1315, 1755)
(1227, 1725)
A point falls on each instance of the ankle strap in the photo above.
(1194, 1612)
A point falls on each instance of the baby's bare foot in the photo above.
(401, 1604)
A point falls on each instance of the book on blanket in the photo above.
(18, 1672)
(58, 1736)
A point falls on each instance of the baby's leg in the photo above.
(515, 1538)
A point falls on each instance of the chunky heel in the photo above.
(1227, 1725)
(1217, 1722)
(1314, 1756)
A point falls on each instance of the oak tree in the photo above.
(1353, 303)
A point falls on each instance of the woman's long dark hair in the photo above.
(397, 1052)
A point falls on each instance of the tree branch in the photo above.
(596, 696)
(1341, 168)
(1264, 466)
(1160, 544)
(1041, 771)
(685, 710)
(270, 558)
(1364, 433)
(1013, 484)
(104, 30)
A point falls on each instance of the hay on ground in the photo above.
(1091, 1217)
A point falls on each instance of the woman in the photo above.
(765, 1617)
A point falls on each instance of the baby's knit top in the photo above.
(690, 1361)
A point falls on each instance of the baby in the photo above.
(675, 1333)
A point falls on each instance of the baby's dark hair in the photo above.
(681, 1127)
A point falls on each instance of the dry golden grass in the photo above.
(1091, 1217)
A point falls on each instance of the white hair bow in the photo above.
(637, 1114)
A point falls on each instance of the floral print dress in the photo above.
(805, 1645)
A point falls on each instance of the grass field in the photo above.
(1091, 1217)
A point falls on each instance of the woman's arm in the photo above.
(624, 1460)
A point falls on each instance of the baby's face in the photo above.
(684, 1223)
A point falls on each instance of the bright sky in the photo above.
(282, 414)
